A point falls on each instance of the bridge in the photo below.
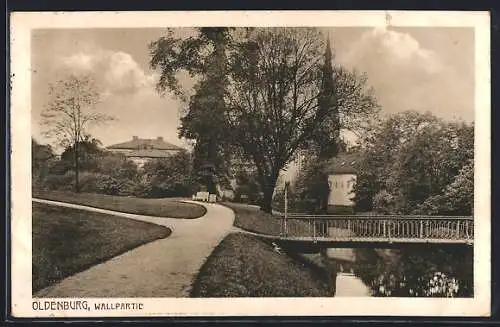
(374, 231)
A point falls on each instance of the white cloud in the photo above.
(392, 47)
(406, 75)
(79, 61)
(116, 72)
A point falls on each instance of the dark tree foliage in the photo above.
(90, 152)
(42, 159)
(327, 138)
(413, 158)
(168, 177)
(203, 56)
(311, 189)
(247, 188)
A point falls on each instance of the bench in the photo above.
(201, 196)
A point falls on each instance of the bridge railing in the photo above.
(339, 227)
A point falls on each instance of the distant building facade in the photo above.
(342, 174)
(141, 150)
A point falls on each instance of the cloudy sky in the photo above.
(424, 69)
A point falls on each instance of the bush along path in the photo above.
(162, 268)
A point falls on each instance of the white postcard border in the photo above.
(22, 301)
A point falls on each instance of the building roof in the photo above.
(344, 163)
(147, 153)
(145, 144)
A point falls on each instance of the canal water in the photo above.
(346, 282)
(419, 271)
(338, 263)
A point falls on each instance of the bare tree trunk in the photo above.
(77, 167)
(210, 183)
(268, 190)
(212, 159)
(267, 200)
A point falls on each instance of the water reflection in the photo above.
(412, 271)
(423, 271)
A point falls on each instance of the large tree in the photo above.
(280, 102)
(70, 112)
(204, 57)
(276, 100)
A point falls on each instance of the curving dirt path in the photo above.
(162, 268)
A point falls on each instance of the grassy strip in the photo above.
(245, 266)
(67, 241)
(150, 207)
(251, 218)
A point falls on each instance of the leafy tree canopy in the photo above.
(411, 157)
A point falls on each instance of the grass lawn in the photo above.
(67, 241)
(251, 218)
(245, 266)
(151, 207)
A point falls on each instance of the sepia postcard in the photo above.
(250, 163)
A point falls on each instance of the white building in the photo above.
(342, 176)
(141, 151)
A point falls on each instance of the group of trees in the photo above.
(101, 171)
(262, 92)
(414, 163)
(407, 163)
(85, 165)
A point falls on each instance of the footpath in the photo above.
(162, 268)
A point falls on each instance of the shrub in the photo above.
(91, 182)
(169, 177)
(384, 202)
(59, 182)
(112, 185)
